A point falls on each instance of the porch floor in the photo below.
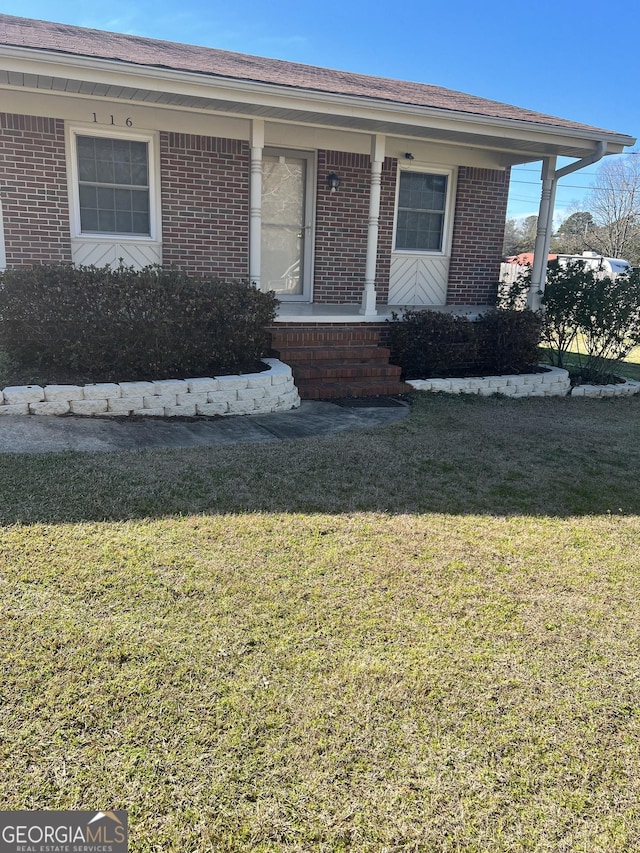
(317, 312)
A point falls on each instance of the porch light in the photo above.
(333, 182)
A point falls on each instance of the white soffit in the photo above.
(114, 81)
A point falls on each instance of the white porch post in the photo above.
(369, 294)
(543, 235)
(255, 202)
(550, 178)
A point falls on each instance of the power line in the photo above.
(537, 171)
(563, 186)
(585, 173)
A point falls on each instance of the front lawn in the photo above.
(629, 367)
(417, 638)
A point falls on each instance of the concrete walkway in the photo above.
(34, 434)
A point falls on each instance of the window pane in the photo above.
(113, 183)
(88, 197)
(420, 232)
(104, 172)
(140, 223)
(122, 199)
(421, 207)
(107, 221)
(86, 158)
(103, 148)
(140, 201)
(139, 175)
(89, 219)
(121, 173)
(123, 222)
(106, 200)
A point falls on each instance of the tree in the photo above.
(520, 235)
(529, 231)
(614, 201)
(574, 235)
(512, 238)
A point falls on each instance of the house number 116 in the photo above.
(127, 121)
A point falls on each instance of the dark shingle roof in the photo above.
(78, 41)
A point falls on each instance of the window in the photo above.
(113, 186)
(422, 202)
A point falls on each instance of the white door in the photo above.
(287, 207)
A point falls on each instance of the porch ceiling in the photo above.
(517, 146)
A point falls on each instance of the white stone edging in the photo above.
(552, 382)
(272, 390)
(626, 388)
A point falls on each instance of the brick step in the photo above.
(312, 389)
(333, 363)
(330, 370)
(353, 336)
(292, 355)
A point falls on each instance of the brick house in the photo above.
(345, 194)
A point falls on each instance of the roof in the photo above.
(152, 53)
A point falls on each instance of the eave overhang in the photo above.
(45, 71)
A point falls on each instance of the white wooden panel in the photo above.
(418, 280)
(99, 254)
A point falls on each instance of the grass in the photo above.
(417, 638)
(629, 367)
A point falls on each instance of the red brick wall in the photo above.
(342, 225)
(205, 194)
(33, 189)
(478, 233)
(205, 204)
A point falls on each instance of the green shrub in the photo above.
(508, 341)
(564, 289)
(608, 321)
(431, 343)
(116, 324)
(596, 318)
(434, 343)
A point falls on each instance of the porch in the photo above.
(329, 313)
(335, 351)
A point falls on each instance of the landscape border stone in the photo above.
(272, 390)
(550, 382)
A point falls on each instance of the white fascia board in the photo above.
(78, 109)
(69, 105)
(118, 73)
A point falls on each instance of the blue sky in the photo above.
(574, 60)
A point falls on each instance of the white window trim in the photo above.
(449, 208)
(155, 214)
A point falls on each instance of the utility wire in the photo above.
(563, 186)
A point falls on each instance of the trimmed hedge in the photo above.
(102, 324)
(508, 342)
(433, 343)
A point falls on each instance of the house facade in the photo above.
(344, 194)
